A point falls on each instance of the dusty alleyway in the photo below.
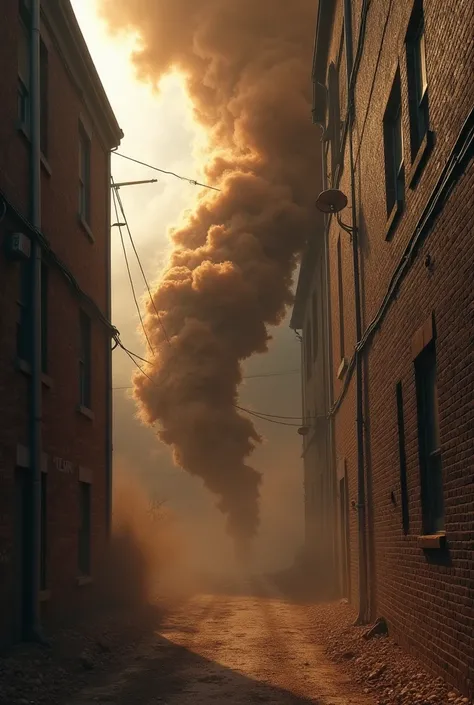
(232, 650)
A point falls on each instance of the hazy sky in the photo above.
(159, 130)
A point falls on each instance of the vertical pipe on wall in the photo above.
(34, 616)
(361, 500)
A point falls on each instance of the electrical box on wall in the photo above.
(18, 246)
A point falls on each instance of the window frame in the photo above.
(44, 98)
(24, 80)
(340, 290)
(85, 360)
(404, 499)
(85, 171)
(418, 82)
(429, 445)
(44, 532)
(84, 536)
(394, 158)
(315, 327)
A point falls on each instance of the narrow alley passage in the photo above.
(233, 650)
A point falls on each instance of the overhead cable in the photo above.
(193, 182)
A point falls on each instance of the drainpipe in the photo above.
(363, 579)
(108, 391)
(34, 616)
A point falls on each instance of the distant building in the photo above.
(77, 132)
(396, 487)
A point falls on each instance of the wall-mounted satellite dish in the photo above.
(331, 201)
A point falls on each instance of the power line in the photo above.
(130, 278)
(160, 321)
(268, 374)
(193, 182)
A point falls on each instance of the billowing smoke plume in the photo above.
(247, 64)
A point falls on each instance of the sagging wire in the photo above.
(130, 278)
(122, 209)
(193, 182)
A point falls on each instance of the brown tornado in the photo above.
(247, 65)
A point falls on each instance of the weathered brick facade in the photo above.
(423, 586)
(76, 444)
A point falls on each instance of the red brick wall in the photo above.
(428, 599)
(66, 433)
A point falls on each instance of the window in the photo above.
(84, 547)
(340, 288)
(393, 147)
(334, 124)
(23, 320)
(44, 531)
(403, 461)
(315, 327)
(84, 175)
(428, 440)
(25, 11)
(85, 361)
(417, 79)
(23, 109)
(44, 318)
(307, 350)
(44, 98)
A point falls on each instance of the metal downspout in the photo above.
(108, 392)
(363, 601)
(34, 616)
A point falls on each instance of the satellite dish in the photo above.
(331, 201)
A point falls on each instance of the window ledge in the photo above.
(84, 225)
(419, 161)
(25, 367)
(85, 411)
(46, 165)
(45, 595)
(432, 541)
(393, 219)
(83, 580)
(341, 370)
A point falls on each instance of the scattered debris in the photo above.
(380, 628)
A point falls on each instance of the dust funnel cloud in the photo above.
(247, 65)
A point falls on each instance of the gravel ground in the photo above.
(379, 665)
(38, 675)
(247, 647)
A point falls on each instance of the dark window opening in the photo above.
(340, 288)
(23, 93)
(44, 98)
(334, 122)
(84, 555)
(44, 318)
(84, 175)
(429, 441)
(23, 332)
(393, 148)
(403, 461)
(307, 350)
(417, 78)
(85, 361)
(315, 327)
(44, 531)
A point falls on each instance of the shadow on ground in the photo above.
(170, 674)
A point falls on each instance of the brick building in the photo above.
(77, 131)
(397, 491)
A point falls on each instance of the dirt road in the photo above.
(229, 650)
